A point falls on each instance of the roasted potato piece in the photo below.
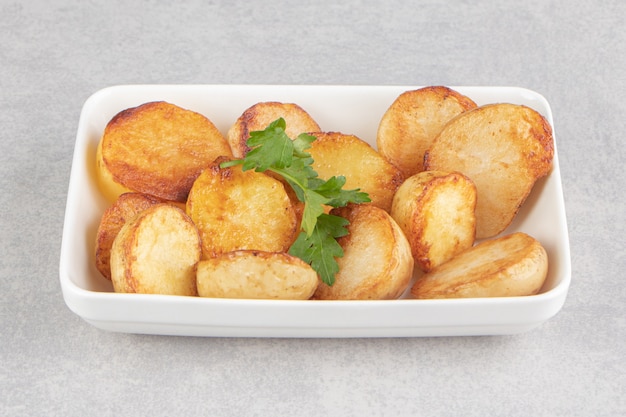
(127, 206)
(109, 187)
(504, 149)
(156, 252)
(512, 265)
(336, 154)
(377, 261)
(256, 275)
(156, 148)
(235, 209)
(260, 115)
(412, 122)
(435, 210)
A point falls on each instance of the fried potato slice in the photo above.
(435, 210)
(256, 275)
(260, 115)
(412, 122)
(156, 148)
(504, 149)
(377, 261)
(235, 209)
(127, 206)
(512, 265)
(336, 154)
(156, 252)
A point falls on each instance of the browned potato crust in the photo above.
(127, 206)
(377, 262)
(435, 210)
(156, 252)
(503, 149)
(260, 115)
(235, 209)
(512, 265)
(336, 154)
(413, 121)
(256, 275)
(157, 148)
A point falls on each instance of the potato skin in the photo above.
(157, 148)
(504, 149)
(156, 252)
(512, 265)
(260, 115)
(127, 206)
(235, 209)
(381, 248)
(256, 275)
(109, 187)
(377, 262)
(412, 122)
(336, 154)
(435, 210)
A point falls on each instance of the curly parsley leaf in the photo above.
(269, 148)
(320, 249)
(273, 150)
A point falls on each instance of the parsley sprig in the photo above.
(273, 150)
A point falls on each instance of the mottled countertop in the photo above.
(54, 55)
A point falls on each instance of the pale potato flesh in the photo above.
(435, 210)
(512, 265)
(377, 262)
(156, 252)
(504, 149)
(474, 166)
(412, 122)
(127, 206)
(256, 275)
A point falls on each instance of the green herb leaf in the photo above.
(272, 149)
(338, 197)
(321, 247)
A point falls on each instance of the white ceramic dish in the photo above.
(349, 109)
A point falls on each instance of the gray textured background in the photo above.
(54, 54)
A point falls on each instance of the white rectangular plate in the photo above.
(348, 109)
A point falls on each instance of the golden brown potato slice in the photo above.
(412, 122)
(503, 148)
(127, 206)
(256, 275)
(156, 148)
(235, 209)
(435, 209)
(377, 262)
(108, 186)
(156, 252)
(260, 115)
(336, 154)
(512, 265)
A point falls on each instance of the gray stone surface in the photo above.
(54, 54)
